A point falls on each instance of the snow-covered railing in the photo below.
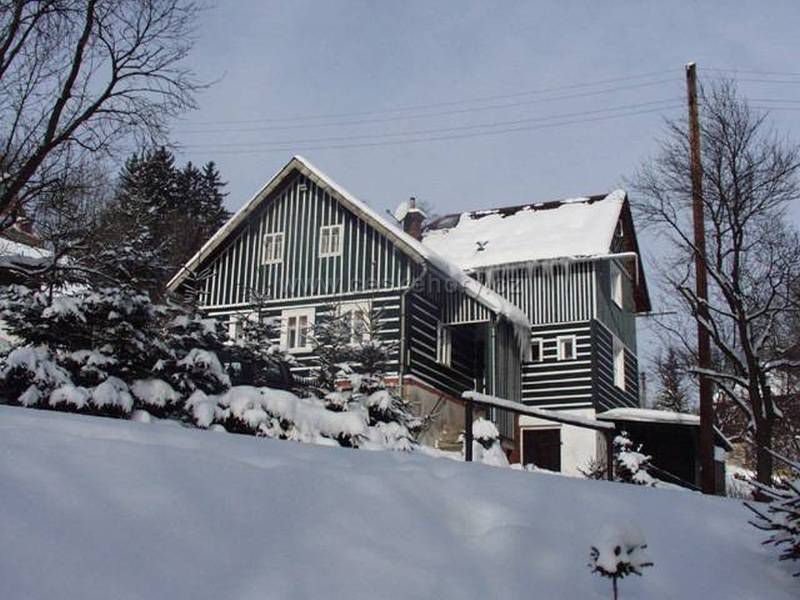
(472, 397)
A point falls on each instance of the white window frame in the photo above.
(291, 324)
(539, 343)
(561, 354)
(324, 247)
(618, 362)
(273, 252)
(365, 307)
(444, 345)
(617, 286)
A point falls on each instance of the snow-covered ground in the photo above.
(96, 508)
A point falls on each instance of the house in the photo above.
(532, 303)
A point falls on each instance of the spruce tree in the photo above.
(672, 395)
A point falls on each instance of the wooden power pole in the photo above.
(701, 289)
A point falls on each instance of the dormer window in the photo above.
(330, 240)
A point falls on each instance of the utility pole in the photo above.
(701, 289)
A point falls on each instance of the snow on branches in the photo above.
(780, 515)
(617, 553)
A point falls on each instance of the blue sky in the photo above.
(345, 74)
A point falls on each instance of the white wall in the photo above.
(578, 445)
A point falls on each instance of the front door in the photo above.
(542, 448)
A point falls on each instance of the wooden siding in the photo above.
(560, 383)
(454, 305)
(554, 292)
(620, 321)
(606, 394)
(386, 305)
(506, 379)
(423, 315)
(369, 260)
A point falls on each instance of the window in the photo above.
(537, 354)
(616, 284)
(273, 248)
(330, 240)
(567, 347)
(295, 326)
(444, 345)
(358, 314)
(619, 364)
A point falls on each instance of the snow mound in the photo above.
(98, 508)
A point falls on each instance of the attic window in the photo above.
(330, 240)
(273, 248)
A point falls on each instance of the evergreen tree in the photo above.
(672, 394)
(630, 464)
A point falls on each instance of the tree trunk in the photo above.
(614, 587)
(763, 446)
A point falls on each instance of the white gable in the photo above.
(579, 227)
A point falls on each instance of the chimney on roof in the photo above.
(412, 221)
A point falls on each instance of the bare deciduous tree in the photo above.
(80, 77)
(750, 175)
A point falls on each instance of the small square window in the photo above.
(273, 248)
(295, 329)
(330, 240)
(537, 351)
(619, 364)
(444, 345)
(567, 349)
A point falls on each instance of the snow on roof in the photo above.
(489, 298)
(648, 415)
(576, 227)
(12, 248)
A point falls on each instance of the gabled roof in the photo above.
(572, 229)
(578, 227)
(412, 247)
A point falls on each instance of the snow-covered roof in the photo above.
(577, 227)
(13, 248)
(649, 415)
(411, 246)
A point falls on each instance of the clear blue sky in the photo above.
(301, 76)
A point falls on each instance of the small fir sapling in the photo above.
(619, 552)
(780, 514)
(630, 464)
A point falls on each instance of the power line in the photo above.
(753, 72)
(438, 104)
(448, 137)
(427, 115)
(414, 132)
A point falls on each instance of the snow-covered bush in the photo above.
(280, 414)
(630, 464)
(486, 445)
(617, 553)
(780, 515)
(29, 374)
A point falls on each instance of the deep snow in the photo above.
(98, 508)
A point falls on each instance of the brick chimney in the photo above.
(412, 221)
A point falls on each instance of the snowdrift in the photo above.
(96, 508)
